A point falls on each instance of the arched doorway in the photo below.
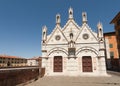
(57, 64)
(87, 64)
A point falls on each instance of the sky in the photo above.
(21, 21)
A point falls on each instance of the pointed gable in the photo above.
(71, 26)
(57, 37)
(86, 35)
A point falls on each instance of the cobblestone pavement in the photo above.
(113, 80)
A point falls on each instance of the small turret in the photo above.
(44, 34)
(58, 20)
(70, 13)
(84, 17)
(100, 31)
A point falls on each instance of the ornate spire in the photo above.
(58, 20)
(70, 13)
(84, 17)
(99, 25)
(44, 34)
(100, 30)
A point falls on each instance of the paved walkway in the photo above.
(114, 80)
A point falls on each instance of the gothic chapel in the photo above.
(73, 50)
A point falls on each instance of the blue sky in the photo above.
(21, 21)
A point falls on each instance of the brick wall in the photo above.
(14, 77)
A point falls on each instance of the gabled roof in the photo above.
(89, 29)
(54, 30)
(116, 18)
(70, 20)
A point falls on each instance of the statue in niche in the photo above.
(71, 44)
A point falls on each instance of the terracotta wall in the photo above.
(113, 41)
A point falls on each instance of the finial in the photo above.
(44, 28)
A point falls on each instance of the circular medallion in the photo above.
(57, 37)
(85, 36)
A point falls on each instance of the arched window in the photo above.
(71, 35)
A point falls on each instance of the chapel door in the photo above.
(87, 63)
(57, 64)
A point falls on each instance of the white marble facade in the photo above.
(73, 50)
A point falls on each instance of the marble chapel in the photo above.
(73, 50)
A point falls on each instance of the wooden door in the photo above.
(87, 63)
(58, 64)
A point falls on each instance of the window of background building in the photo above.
(119, 31)
(109, 37)
(111, 45)
(3, 61)
(118, 22)
(111, 55)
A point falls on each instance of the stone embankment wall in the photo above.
(15, 76)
